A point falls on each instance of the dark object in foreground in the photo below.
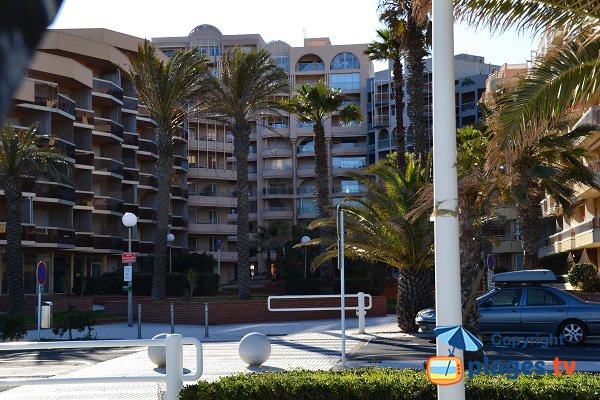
(22, 23)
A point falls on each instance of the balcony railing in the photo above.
(278, 191)
(108, 165)
(85, 117)
(349, 189)
(108, 126)
(468, 106)
(108, 204)
(130, 103)
(179, 192)
(54, 191)
(278, 209)
(593, 223)
(108, 242)
(148, 180)
(215, 194)
(310, 66)
(130, 138)
(107, 87)
(66, 104)
(147, 213)
(383, 143)
(131, 174)
(148, 146)
(306, 190)
(381, 121)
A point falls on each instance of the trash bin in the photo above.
(46, 315)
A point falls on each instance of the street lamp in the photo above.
(304, 240)
(130, 221)
(170, 239)
(252, 271)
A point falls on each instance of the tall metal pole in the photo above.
(445, 183)
(304, 262)
(130, 289)
(170, 258)
(342, 281)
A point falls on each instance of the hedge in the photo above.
(367, 284)
(389, 384)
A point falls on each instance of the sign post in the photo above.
(218, 243)
(41, 273)
(491, 264)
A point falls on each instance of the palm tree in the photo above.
(166, 88)
(317, 104)
(244, 92)
(274, 237)
(388, 47)
(390, 225)
(22, 157)
(412, 33)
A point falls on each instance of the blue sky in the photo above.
(344, 21)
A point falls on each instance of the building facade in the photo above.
(281, 155)
(76, 93)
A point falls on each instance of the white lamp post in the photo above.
(130, 221)
(170, 239)
(445, 190)
(304, 240)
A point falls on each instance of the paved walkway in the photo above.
(296, 345)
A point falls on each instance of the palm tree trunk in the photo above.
(241, 135)
(415, 86)
(14, 252)
(322, 186)
(529, 216)
(164, 171)
(399, 137)
(414, 294)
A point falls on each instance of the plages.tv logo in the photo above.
(449, 370)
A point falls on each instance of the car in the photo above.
(524, 306)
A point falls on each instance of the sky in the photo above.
(343, 21)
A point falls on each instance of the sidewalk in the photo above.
(296, 345)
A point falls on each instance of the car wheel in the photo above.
(573, 332)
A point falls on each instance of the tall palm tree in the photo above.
(390, 225)
(244, 92)
(412, 32)
(274, 237)
(22, 156)
(166, 88)
(388, 47)
(317, 104)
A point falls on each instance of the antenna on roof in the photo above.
(304, 31)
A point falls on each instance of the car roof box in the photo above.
(526, 276)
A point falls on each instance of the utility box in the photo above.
(46, 315)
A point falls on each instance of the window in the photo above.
(192, 243)
(345, 81)
(308, 147)
(350, 187)
(282, 164)
(348, 162)
(192, 133)
(213, 216)
(506, 298)
(193, 216)
(212, 162)
(191, 187)
(191, 160)
(212, 135)
(282, 62)
(307, 206)
(212, 244)
(345, 61)
(541, 297)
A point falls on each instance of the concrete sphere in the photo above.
(158, 354)
(255, 349)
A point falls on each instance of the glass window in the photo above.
(541, 297)
(350, 187)
(349, 162)
(345, 81)
(345, 61)
(308, 147)
(307, 206)
(282, 62)
(192, 244)
(506, 298)
(278, 163)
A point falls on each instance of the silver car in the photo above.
(530, 310)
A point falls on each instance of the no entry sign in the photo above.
(41, 272)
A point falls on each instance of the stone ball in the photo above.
(255, 349)
(158, 354)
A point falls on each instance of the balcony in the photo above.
(228, 173)
(58, 236)
(105, 125)
(131, 207)
(278, 213)
(147, 213)
(550, 208)
(586, 234)
(130, 103)
(146, 247)
(84, 117)
(278, 191)
(148, 181)
(181, 162)
(381, 121)
(348, 149)
(84, 198)
(84, 240)
(107, 88)
(176, 191)
(278, 173)
(131, 174)
(277, 151)
(385, 144)
(108, 204)
(178, 221)
(228, 255)
(213, 199)
(46, 95)
(306, 171)
(306, 190)
(106, 242)
(381, 98)
(147, 147)
(130, 139)
(310, 66)
(108, 166)
(470, 106)
(52, 190)
(209, 228)
(348, 190)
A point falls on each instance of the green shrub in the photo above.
(91, 285)
(384, 383)
(303, 286)
(68, 321)
(584, 277)
(203, 263)
(207, 284)
(12, 327)
(176, 284)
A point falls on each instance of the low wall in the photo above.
(59, 303)
(241, 312)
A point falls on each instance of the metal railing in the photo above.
(174, 362)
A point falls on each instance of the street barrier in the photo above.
(173, 377)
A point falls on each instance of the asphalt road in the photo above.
(412, 348)
(46, 363)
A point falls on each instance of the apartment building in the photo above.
(75, 91)
(281, 160)
(471, 73)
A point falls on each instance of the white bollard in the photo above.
(174, 348)
(361, 312)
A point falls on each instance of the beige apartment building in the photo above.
(75, 91)
(281, 160)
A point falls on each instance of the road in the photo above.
(411, 348)
(46, 363)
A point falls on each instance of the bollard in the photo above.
(174, 367)
(139, 321)
(205, 319)
(172, 319)
(361, 312)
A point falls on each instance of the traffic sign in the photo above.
(128, 258)
(218, 243)
(127, 273)
(41, 272)
(491, 262)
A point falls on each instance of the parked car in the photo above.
(524, 306)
